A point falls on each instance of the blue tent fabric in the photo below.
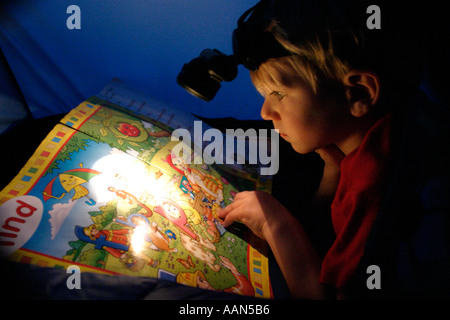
(144, 43)
(47, 86)
(13, 105)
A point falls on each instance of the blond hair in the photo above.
(313, 62)
(324, 40)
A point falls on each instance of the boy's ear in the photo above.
(363, 91)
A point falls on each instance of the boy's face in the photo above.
(305, 121)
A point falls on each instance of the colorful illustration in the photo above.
(70, 180)
(104, 191)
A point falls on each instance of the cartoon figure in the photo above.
(198, 181)
(152, 233)
(198, 279)
(68, 181)
(135, 263)
(209, 217)
(117, 243)
(173, 212)
(198, 248)
(159, 240)
(131, 199)
(120, 236)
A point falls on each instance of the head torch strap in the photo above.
(253, 44)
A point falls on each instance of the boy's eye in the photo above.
(278, 94)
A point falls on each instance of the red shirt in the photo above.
(364, 175)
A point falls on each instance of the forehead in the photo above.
(265, 77)
(276, 73)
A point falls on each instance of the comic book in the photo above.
(105, 192)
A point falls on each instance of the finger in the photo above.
(224, 211)
(231, 216)
(241, 195)
(228, 221)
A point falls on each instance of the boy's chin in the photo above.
(302, 149)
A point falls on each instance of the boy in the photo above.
(344, 91)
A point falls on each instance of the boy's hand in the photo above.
(253, 208)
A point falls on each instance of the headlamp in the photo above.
(202, 76)
(252, 45)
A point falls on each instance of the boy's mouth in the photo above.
(283, 135)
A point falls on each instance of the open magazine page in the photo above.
(137, 103)
(105, 191)
(120, 94)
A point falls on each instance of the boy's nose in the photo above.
(267, 111)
